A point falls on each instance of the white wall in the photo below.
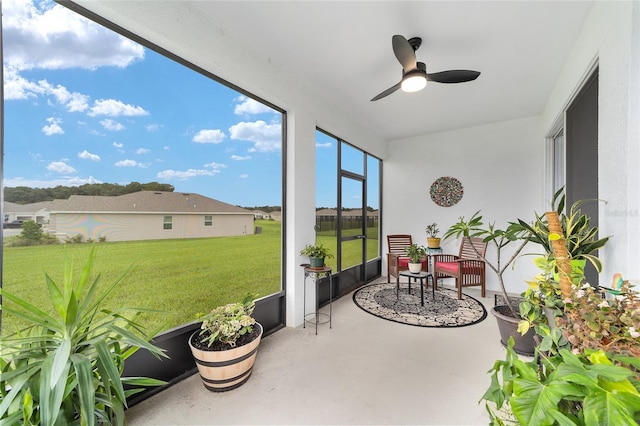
(500, 166)
(611, 36)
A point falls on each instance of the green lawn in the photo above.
(178, 278)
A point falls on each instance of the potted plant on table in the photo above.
(66, 367)
(417, 254)
(433, 241)
(226, 345)
(316, 254)
(507, 315)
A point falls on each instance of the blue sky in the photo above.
(84, 105)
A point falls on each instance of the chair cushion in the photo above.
(452, 268)
(447, 266)
(403, 262)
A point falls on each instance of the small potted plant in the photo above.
(433, 241)
(417, 254)
(226, 345)
(316, 254)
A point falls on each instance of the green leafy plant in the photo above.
(564, 389)
(318, 251)
(66, 368)
(499, 239)
(594, 320)
(416, 253)
(432, 230)
(228, 323)
(580, 236)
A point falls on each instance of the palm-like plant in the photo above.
(581, 238)
(66, 368)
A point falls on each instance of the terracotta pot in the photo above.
(433, 242)
(226, 370)
(508, 326)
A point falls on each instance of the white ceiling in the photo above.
(341, 51)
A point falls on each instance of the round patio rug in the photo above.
(445, 311)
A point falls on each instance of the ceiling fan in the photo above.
(414, 74)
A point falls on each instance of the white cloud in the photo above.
(17, 87)
(324, 145)
(250, 106)
(184, 175)
(86, 155)
(45, 35)
(214, 165)
(141, 151)
(38, 183)
(53, 128)
(152, 127)
(115, 108)
(117, 145)
(112, 125)
(209, 136)
(266, 137)
(166, 148)
(60, 167)
(131, 163)
(240, 158)
(244, 176)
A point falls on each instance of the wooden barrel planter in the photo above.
(226, 370)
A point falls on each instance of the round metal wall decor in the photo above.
(446, 191)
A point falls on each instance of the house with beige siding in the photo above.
(147, 215)
(38, 212)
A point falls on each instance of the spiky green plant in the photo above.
(66, 368)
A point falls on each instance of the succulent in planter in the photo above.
(66, 367)
(316, 254)
(226, 345)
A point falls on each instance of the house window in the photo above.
(208, 220)
(167, 223)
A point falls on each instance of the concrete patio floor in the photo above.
(365, 370)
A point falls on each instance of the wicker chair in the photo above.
(467, 267)
(397, 260)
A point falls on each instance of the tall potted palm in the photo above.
(507, 315)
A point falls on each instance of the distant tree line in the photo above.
(266, 209)
(26, 195)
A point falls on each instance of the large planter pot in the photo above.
(508, 326)
(226, 370)
(433, 242)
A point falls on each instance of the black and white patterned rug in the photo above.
(445, 311)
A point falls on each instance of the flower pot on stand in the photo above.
(224, 370)
(433, 242)
(508, 326)
(316, 262)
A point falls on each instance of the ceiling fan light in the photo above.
(413, 83)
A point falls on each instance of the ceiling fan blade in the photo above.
(453, 76)
(387, 92)
(404, 52)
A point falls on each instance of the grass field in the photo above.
(176, 278)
